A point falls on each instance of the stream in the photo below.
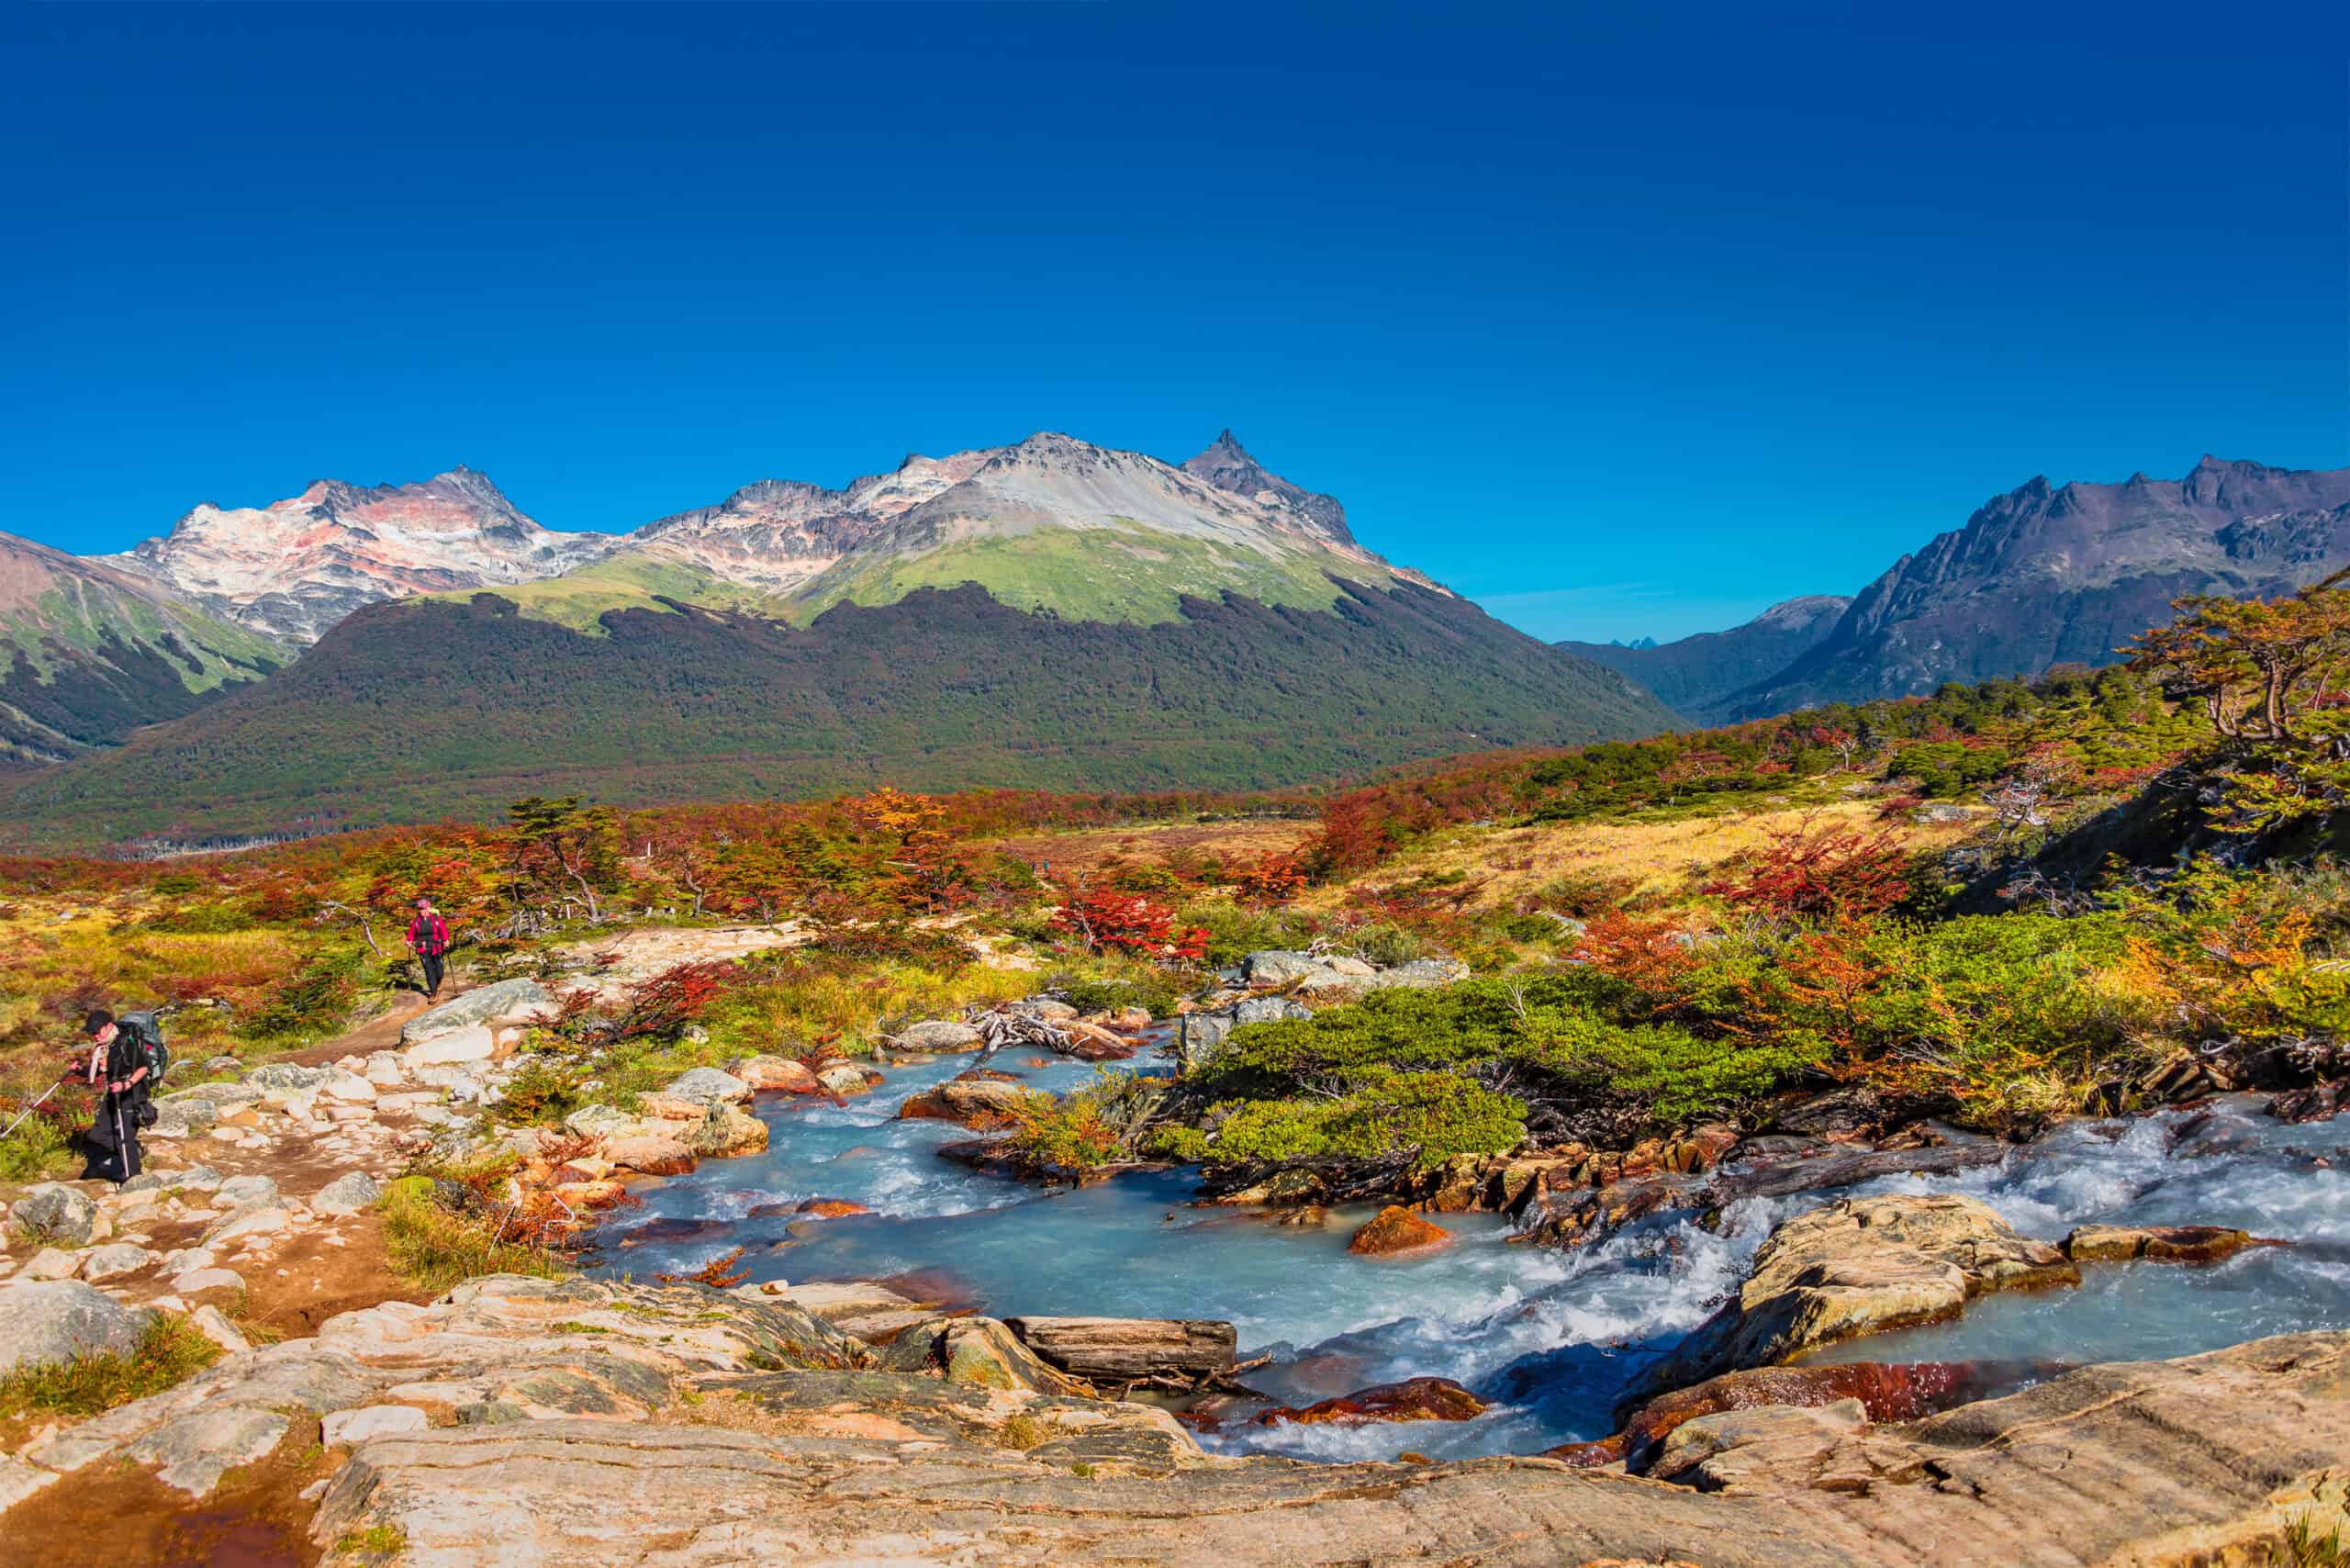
(1552, 1338)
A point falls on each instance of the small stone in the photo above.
(53, 1263)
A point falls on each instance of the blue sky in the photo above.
(1621, 323)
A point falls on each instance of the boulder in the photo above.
(179, 1118)
(1199, 1036)
(939, 1035)
(451, 1047)
(1424, 974)
(347, 1087)
(1397, 1229)
(596, 1121)
(831, 1208)
(1276, 966)
(1268, 1010)
(1414, 1399)
(778, 1073)
(285, 1077)
(52, 1211)
(1122, 1350)
(43, 1322)
(1860, 1266)
(484, 1007)
(726, 1132)
(650, 1155)
(704, 1084)
(2160, 1243)
(845, 1078)
(977, 1099)
(348, 1193)
(977, 1351)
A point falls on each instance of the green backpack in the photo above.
(147, 1031)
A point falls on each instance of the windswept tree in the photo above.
(561, 846)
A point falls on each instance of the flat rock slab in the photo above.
(502, 1001)
(2163, 1463)
(192, 1453)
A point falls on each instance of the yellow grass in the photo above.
(1664, 861)
(1085, 849)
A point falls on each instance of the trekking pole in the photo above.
(36, 1105)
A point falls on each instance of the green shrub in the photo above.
(435, 1246)
(36, 1150)
(1440, 1113)
(1157, 998)
(317, 1000)
(1234, 931)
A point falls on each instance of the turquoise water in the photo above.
(1553, 1338)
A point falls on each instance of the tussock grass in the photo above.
(434, 1246)
(168, 1353)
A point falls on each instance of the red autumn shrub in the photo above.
(1831, 872)
(1276, 878)
(1106, 919)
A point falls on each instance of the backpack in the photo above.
(146, 1031)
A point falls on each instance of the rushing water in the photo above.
(1552, 1337)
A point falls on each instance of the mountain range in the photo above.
(1050, 613)
(2043, 575)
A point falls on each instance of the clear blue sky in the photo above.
(1621, 323)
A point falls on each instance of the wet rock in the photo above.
(977, 1351)
(1860, 1266)
(2160, 1243)
(52, 1211)
(1124, 1349)
(779, 1074)
(1885, 1392)
(46, 1321)
(1397, 1229)
(977, 1099)
(1414, 1399)
(2318, 1102)
(650, 1155)
(1090, 1042)
(831, 1208)
(846, 1079)
(348, 1193)
(704, 1084)
(1852, 1112)
(939, 1035)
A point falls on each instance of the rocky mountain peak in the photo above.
(1227, 465)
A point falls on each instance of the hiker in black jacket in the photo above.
(117, 1070)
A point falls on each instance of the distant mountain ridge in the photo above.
(1695, 674)
(1049, 612)
(2043, 575)
(292, 569)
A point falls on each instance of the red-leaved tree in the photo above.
(1107, 920)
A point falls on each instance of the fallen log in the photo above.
(1129, 1350)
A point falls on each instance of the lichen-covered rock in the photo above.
(1395, 1229)
(501, 1002)
(845, 1078)
(52, 1211)
(725, 1132)
(46, 1321)
(702, 1085)
(977, 1351)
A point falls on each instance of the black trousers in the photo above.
(113, 1140)
(432, 968)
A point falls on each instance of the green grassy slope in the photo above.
(414, 711)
